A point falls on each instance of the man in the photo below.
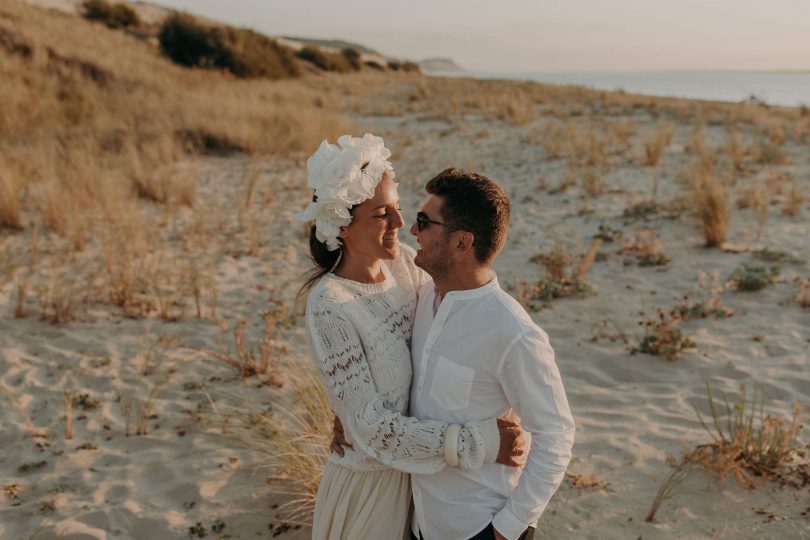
(476, 354)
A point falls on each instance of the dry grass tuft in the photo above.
(711, 200)
(654, 148)
(746, 444)
(251, 359)
(735, 150)
(292, 430)
(793, 202)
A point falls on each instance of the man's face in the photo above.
(433, 255)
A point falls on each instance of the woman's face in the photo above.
(372, 234)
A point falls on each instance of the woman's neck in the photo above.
(357, 269)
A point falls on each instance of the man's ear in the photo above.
(464, 241)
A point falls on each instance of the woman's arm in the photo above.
(401, 442)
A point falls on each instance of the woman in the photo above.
(360, 313)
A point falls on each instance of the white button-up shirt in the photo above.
(478, 356)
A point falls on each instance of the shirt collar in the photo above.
(469, 294)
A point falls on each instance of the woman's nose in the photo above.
(397, 221)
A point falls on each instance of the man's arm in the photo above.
(532, 384)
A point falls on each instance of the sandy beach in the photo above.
(156, 413)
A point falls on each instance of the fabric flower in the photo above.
(342, 176)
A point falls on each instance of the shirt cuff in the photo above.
(508, 525)
(490, 436)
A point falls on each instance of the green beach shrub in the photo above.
(353, 58)
(753, 278)
(113, 15)
(325, 60)
(243, 52)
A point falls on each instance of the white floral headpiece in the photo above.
(342, 176)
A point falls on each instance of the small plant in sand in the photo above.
(606, 233)
(753, 278)
(709, 304)
(793, 202)
(642, 209)
(776, 255)
(736, 151)
(647, 248)
(711, 201)
(585, 481)
(662, 335)
(562, 279)
(803, 296)
(749, 444)
(654, 148)
(251, 359)
(746, 444)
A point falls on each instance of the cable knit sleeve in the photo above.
(398, 441)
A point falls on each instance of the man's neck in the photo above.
(463, 280)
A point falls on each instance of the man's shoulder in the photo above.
(511, 312)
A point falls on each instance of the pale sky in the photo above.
(546, 35)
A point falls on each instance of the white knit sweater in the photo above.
(360, 334)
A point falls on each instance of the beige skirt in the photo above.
(362, 505)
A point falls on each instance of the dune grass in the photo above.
(746, 444)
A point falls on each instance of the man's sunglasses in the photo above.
(422, 221)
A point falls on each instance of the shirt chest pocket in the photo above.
(452, 384)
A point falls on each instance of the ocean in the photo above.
(786, 88)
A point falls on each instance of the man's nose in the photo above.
(413, 229)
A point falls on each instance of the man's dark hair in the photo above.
(474, 203)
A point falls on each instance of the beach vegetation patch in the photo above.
(647, 248)
(776, 255)
(641, 210)
(654, 147)
(662, 335)
(324, 60)
(711, 202)
(113, 15)
(564, 276)
(746, 444)
(753, 278)
(606, 233)
(242, 52)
